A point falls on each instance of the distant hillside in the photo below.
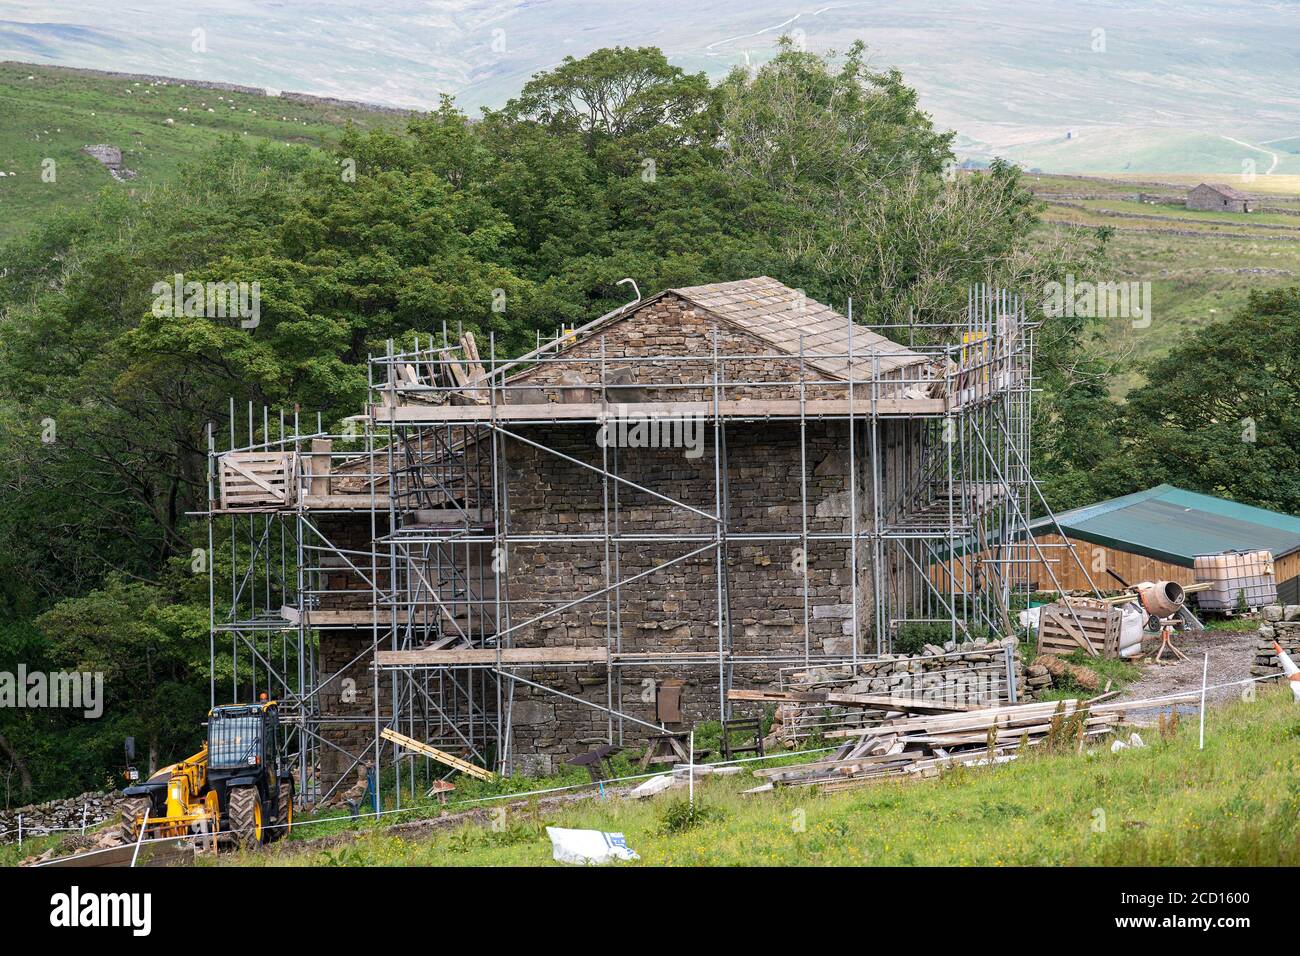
(52, 113)
(1063, 85)
(1201, 265)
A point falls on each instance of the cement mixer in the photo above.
(1160, 599)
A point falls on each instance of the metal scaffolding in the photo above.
(392, 537)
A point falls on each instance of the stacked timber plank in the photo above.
(955, 677)
(914, 746)
(1080, 624)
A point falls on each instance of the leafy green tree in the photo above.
(623, 104)
(1221, 412)
(153, 653)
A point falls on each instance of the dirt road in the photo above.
(1231, 655)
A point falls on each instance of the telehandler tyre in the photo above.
(245, 817)
(131, 809)
(284, 820)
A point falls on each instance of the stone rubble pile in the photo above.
(958, 673)
(60, 815)
(1281, 624)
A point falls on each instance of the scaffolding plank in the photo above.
(410, 743)
(730, 408)
(488, 655)
(344, 501)
(874, 701)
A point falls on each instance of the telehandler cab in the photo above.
(238, 788)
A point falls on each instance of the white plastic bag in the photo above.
(1029, 619)
(588, 846)
(1130, 630)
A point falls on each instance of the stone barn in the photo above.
(613, 467)
(597, 542)
(1217, 197)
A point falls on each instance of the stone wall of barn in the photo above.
(343, 655)
(673, 607)
(1210, 200)
(672, 326)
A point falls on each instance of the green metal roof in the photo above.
(1174, 525)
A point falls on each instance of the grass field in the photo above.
(1168, 803)
(1275, 184)
(1201, 265)
(1235, 803)
(49, 114)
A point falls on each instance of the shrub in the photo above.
(678, 816)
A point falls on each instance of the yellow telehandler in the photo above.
(237, 789)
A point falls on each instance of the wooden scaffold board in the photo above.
(410, 743)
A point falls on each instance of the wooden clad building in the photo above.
(1151, 535)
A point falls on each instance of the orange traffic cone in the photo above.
(1289, 669)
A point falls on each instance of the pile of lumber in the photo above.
(468, 374)
(922, 745)
(956, 677)
(443, 377)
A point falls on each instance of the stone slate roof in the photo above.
(779, 315)
(1224, 190)
(771, 311)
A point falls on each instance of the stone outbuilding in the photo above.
(1217, 197)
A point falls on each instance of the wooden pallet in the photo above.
(1059, 630)
(258, 480)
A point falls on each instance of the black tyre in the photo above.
(284, 814)
(135, 807)
(244, 815)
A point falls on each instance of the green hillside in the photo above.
(51, 113)
(1201, 265)
(1104, 150)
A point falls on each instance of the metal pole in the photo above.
(718, 532)
(1205, 679)
(212, 574)
(690, 771)
(604, 497)
(139, 839)
(853, 499)
(803, 501)
(500, 556)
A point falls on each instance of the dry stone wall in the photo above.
(1281, 624)
(72, 813)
